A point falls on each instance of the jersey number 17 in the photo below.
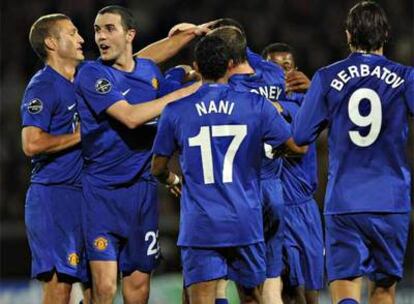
(204, 139)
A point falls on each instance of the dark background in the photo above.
(314, 28)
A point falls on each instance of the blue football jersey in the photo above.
(49, 103)
(299, 174)
(114, 154)
(219, 134)
(364, 100)
(268, 81)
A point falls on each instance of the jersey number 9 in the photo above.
(373, 119)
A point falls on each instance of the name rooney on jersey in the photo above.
(364, 70)
(223, 106)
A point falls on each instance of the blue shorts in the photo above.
(303, 246)
(245, 265)
(366, 244)
(273, 217)
(54, 231)
(122, 225)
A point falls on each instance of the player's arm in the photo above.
(312, 116)
(36, 141)
(166, 48)
(277, 132)
(163, 148)
(159, 168)
(134, 115)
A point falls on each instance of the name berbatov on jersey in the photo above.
(223, 106)
(364, 70)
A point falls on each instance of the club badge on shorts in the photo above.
(73, 259)
(155, 83)
(100, 243)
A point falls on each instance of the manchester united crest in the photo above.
(100, 243)
(155, 83)
(73, 259)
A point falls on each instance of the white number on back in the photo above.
(373, 119)
(203, 140)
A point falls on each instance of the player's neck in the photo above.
(380, 51)
(125, 62)
(64, 67)
(242, 68)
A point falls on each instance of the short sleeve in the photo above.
(276, 130)
(165, 141)
(97, 87)
(38, 105)
(312, 116)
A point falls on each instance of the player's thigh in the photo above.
(53, 224)
(347, 255)
(247, 264)
(387, 237)
(202, 264)
(142, 251)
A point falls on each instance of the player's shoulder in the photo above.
(43, 80)
(91, 66)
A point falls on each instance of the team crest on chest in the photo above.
(100, 243)
(155, 83)
(73, 259)
(103, 86)
(35, 106)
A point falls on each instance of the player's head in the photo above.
(367, 26)
(115, 30)
(281, 54)
(228, 22)
(55, 35)
(212, 58)
(236, 42)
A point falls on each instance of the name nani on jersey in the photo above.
(364, 70)
(223, 106)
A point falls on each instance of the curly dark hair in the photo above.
(212, 57)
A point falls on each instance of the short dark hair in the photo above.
(127, 18)
(41, 29)
(212, 57)
(228, 22)
(277, 48)
(368, 26)
(235, 40)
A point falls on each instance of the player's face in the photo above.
(110, 36)
(284, 59)
(68, 41)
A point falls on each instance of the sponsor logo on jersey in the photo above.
(103, 86)
(100, 243)
(73, 259)
(35, 106)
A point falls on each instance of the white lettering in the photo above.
(353, 71)
(201, 108)
(364, 70)
(344, 76)
(336, 84)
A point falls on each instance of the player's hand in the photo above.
(188, 29)
(296, 81)
(174, 184)
(190, 73)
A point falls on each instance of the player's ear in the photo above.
(348, 37)
(231, 64)
(131, 35)
(195, 66)
(50, 43)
